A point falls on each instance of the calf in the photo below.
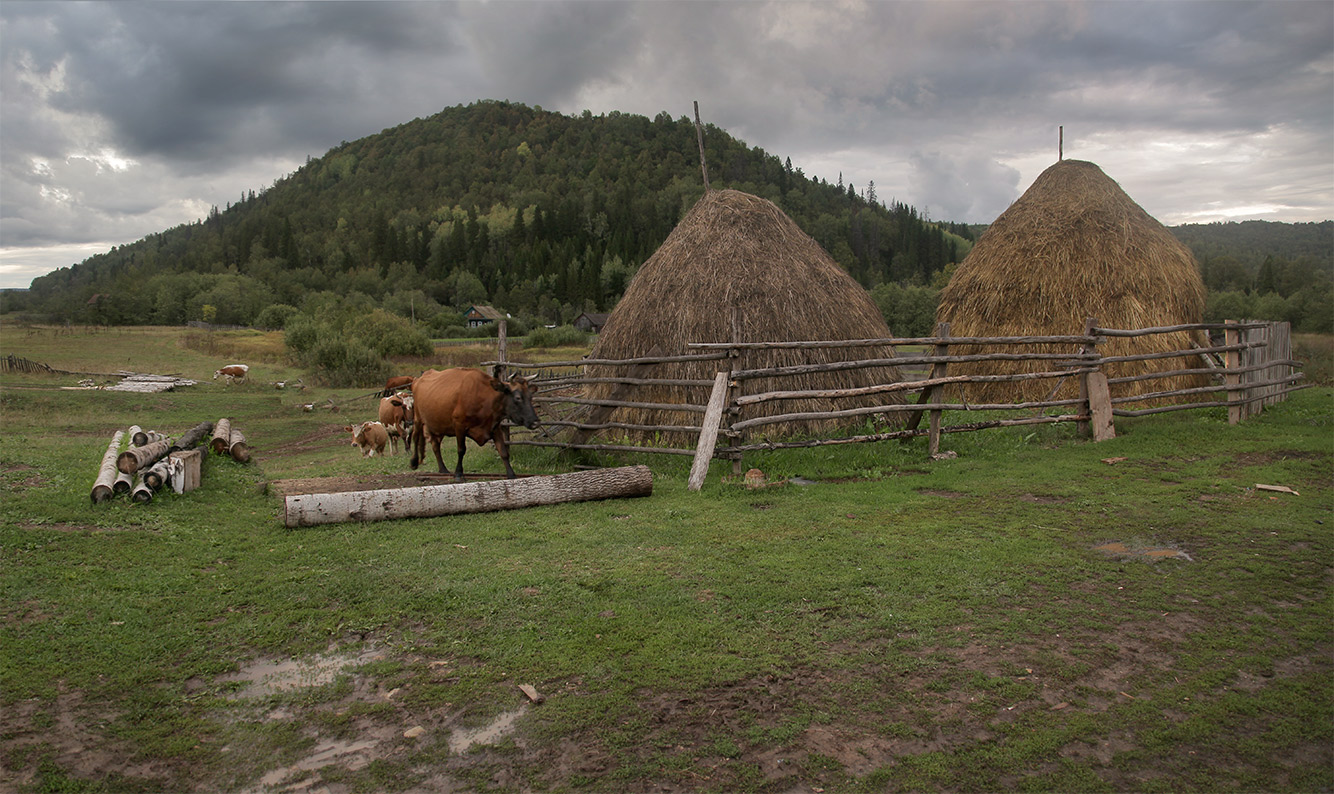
(370, 437)
(232, 372)
(396, 416)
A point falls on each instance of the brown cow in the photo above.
(467, 403)
(395, 383)
(396, 416)
(370, 437)
(232, 372)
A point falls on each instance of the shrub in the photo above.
(275, 316)
(564, 336)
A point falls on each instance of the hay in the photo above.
(1075, 246)
(738, 269)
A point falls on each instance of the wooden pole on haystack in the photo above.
(699, 134)
(1060, 143)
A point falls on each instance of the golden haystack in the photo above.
(1075, 246)
(737, 268)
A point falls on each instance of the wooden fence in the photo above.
(1249, 365)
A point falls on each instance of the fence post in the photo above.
(708, 432)
(502, 345)
(937, 371)
(1231, 377)
(1086, 425)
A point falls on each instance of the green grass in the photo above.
(900, 625)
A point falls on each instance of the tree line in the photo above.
(540, 214)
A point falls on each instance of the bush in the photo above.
(908, 310)
(564, 336)
(341, 362)
(275, 316)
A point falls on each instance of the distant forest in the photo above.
(539, 214)
(545, 216)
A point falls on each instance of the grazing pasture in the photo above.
(1039, 613)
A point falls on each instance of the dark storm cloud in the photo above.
(193, 81)
(119, 119)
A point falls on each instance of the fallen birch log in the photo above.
(124, 482)
(159, 474)
(237, 448)
(142, 492)
(193, 436)
(136, 458)
(105, 484)
(137, 436)
(222, 436)
(304, 510)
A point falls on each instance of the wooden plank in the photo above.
(304, 510)
(1231, 336)
(189, 462)
(1100, 407)
(708, 435)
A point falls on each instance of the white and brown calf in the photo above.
(370, 437)
(396, 416)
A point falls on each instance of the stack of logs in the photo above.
(153, 460)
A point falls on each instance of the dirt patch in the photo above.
(322, 438)
(1132, 550)
(21, 476)
(942, 494)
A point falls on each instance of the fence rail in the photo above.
(1250, 363)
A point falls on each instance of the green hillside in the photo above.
(540, 214)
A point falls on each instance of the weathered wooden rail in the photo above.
(1250, 364)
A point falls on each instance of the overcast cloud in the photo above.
(122, 119)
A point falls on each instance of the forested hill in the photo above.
(1262, 256)
(540, 214)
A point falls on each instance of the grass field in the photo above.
(1040, 613)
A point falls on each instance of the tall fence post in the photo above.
(1086, 425)
(1232, 377)
(502, 346)
(938, 370)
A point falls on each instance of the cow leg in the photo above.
(458, 470)
(435, 447)
(419, 452)
(502, 442)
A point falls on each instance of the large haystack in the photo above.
(738, 269)
(1075, 246)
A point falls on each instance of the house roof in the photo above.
(488, 312)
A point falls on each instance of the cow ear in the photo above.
(500, 386)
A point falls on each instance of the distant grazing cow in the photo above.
(370, 437)
(232, 372)
(463, 404)
(395, 383)
(396, 416)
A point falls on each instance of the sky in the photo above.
(121, 119)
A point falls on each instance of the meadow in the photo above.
(1040, 613)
